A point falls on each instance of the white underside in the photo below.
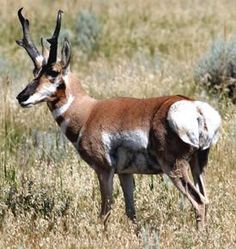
(195, 122)
(124, 144)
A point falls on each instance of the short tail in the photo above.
(195, 122)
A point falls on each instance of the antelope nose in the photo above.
(21, 97)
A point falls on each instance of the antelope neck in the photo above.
(72, 109)
(66, 98)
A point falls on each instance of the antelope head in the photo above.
(48, 82)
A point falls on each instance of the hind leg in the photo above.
(197, 163)
(179, 176)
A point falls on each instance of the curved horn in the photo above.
(54, 40)
(27, 43)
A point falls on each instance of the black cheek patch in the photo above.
(62, 86)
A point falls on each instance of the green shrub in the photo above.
(216, 70)
(88, 31)
(66, 33)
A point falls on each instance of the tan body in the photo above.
(125, 135)
(116, 116)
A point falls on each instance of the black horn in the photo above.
(27, 43)
(54, 40)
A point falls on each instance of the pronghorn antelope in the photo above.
(124, 136)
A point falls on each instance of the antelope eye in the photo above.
(52, 73)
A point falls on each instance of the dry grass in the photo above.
(49, 198)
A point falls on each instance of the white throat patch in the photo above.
(61, 110)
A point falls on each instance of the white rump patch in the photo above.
(136, 140)
(195, 122)
(59, 111)
(212, 121)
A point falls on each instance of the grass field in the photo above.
(49, 198)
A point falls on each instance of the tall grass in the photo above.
(50, 198)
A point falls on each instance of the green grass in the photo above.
(49, 197)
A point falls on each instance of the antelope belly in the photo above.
(127, 151)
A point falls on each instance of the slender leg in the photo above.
(199, 183)
(180, 178)
(127, 184)
(197, 164)
(105, 178)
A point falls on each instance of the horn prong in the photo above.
(53, 41)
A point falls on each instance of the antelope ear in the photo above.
(45, 51)
(66, 54)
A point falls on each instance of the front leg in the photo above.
(127, 184)
(105, 178)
